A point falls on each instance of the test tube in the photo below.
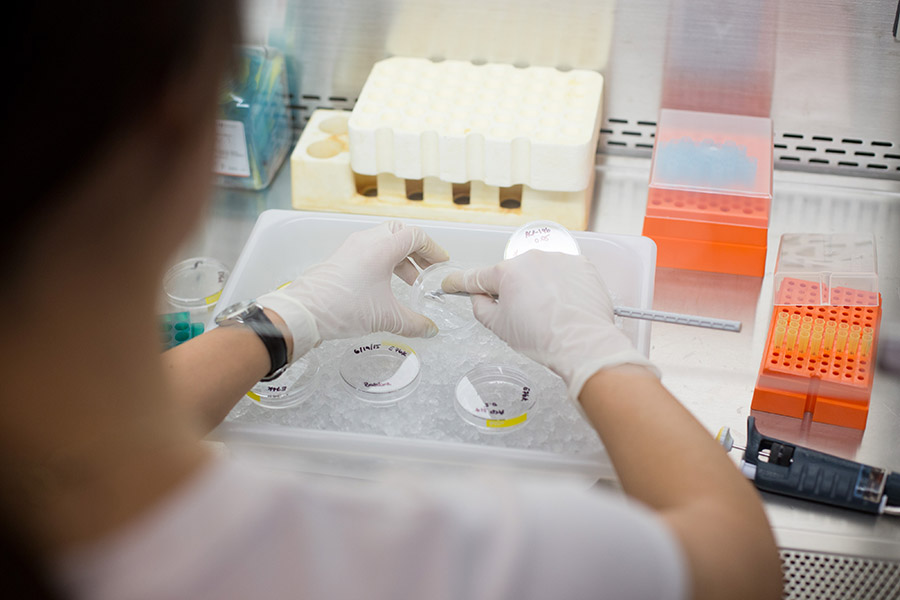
(807, 319)
(820, 322)
(867, 342)
(829, 337)
(791, 340)
(803, 340)
(840, 339)
(779, 335)
(853, 343)
(815, 342)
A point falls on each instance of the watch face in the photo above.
(235, 311)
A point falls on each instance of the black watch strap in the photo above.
(273, 340)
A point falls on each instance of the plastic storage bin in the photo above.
(254, 127)
(820, 352)
(284, 243)
(710, 192)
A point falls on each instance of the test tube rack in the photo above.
(820, 359)
(456, 141)
(710, 192)
(322, 180)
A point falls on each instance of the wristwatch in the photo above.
(250, 313)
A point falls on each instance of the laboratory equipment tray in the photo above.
(284, 243)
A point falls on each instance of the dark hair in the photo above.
(78, 73)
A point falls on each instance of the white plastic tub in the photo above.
(284, 243)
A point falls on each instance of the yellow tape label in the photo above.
(507, 423)
(253, 396)
(213, 298)
(397, 346)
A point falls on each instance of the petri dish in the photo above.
(380, 372)
(541, 235)
(295, 385)
(449, 313)
(494, 398)
(195, 283)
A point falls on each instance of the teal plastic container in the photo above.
(254, 125)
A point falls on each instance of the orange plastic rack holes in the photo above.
(820, 359)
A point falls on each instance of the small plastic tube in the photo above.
(866, 345)
(856, 328)
(853, 342)
(791, 339)
(840, 340)
(778, 338)
(815, 343)
(807, 319)
(803, 340)
(820, 322)
(829, 338)
(843, 325)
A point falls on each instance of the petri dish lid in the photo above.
(494, 398)
(380, 372)
(541, 235)
(195, 282)
(449, 313)
(292, 387)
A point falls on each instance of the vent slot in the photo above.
(815, 576)
(793, 150)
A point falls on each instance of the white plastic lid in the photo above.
(541, 235)
(380, 372)
(494, 398)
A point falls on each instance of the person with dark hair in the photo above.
(105, 492)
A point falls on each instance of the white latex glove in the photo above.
(350, 294)
(553, 308)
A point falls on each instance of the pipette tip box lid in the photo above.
(710, 191)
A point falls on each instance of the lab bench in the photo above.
(713, 373)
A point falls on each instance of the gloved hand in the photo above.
(555, 309)
(350, 294)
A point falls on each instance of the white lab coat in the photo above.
(241, 532)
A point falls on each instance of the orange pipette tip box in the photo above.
(819, 356)
(710, 192)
